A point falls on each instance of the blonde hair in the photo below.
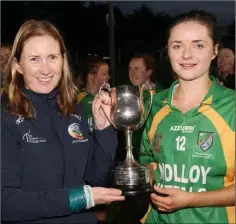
(19, 104)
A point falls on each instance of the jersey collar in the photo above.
(208, 99)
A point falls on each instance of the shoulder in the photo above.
(223, 102)
(6, 115)
(159, 102)
(9, 124)
(160, 96)
(81, 95)
(224, 95)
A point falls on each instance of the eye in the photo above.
(199, 46)
(34, 59)
(176, 47)
(52, 57)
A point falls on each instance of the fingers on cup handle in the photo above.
(105, 98)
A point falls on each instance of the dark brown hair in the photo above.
(203, 18)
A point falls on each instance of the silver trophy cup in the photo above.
(128, 114)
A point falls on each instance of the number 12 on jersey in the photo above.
(180, 143)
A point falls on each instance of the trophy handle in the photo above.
(111, 91)
(142, 104)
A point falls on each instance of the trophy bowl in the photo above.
(128, 114)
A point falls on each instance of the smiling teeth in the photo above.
(45, 79)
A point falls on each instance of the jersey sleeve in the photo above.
(146, 154)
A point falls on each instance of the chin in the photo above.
(190, 78)
(187, 78)
(45, 90)
(135, 84)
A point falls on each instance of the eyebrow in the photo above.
(34, 55)
(194, 41)
(30, 56)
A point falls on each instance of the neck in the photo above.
(226, 73)
(152, 84)
(192, 91)
(91, 89)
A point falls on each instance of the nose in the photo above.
(131, 72)
(187, 53)
(107, 78)
(222, 59)
(44, 68)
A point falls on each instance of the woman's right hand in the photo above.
(102, 195)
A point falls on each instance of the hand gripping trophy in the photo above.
(128, 114)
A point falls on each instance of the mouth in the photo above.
(134, 77)
(44, 80)
(187, 66)
(223, 65)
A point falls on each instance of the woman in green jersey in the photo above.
(189, 137)
(97, 72)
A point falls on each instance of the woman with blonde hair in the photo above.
(50, 160)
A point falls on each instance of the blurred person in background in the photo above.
(5, 54)
(97, 73)
(142, 68)
(226, 67)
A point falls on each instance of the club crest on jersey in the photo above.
(205, 140)
(156, 143)
(75, 131)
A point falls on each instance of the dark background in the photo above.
(139, 27)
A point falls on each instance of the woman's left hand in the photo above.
(170, 199)
(101, 105)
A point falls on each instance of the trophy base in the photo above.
(133, 190)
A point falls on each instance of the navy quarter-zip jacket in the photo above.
(42, 158)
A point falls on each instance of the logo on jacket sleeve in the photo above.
(19, 120)
(205, 140)
(76, 116)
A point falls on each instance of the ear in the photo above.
(150, 71)
(18, 67)
(215, 51)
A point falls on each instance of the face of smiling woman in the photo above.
(191, 50)
(138, 73)
(226, 60)
(41, 64)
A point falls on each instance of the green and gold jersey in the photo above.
(194, 151)
(86, 99)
